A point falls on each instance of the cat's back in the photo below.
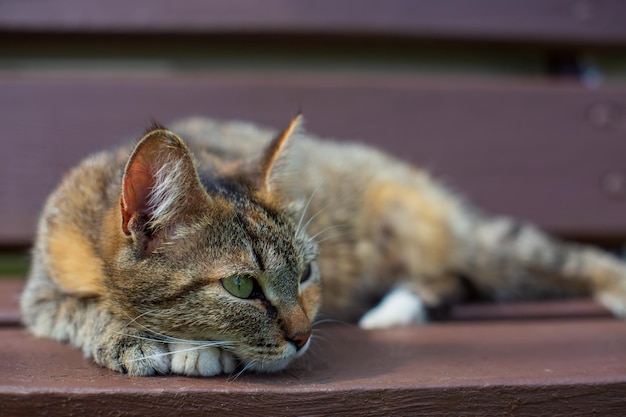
(312, 162)
(337, 172)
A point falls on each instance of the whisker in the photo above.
(333, 321)
(134, 336)
(138, 317)
(291, 374)
(163, 338)
(306, 207)
(313, 217)
(319, 333)
(201, 345)
(189, 349)
(319, 338)
(242, 371)
(330, 238)
(337, 226)
(145, 358)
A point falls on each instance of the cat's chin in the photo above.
(277, 365)
(270, 366)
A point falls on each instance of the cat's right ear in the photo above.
(160, 187)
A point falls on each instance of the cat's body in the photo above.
(136, 265)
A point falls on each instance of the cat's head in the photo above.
(216, 256)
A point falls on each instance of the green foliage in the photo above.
(14, 264)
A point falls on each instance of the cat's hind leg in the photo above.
(510, 260)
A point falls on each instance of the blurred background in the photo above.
(520, 105)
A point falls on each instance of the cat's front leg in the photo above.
(112, 342)
(193, 359)
(129, 351)
(88, 325)
(609, 283)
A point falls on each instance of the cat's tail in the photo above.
(507, 259)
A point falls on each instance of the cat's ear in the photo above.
(160, 186)
(262, 172)
(269, 159)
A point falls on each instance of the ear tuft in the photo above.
(160, 184)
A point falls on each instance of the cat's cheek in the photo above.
(310, 299)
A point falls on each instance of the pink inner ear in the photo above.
(137, 184)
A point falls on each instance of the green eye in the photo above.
(239, 286)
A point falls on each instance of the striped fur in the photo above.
(131, 267)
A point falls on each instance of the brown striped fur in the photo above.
(134, 246)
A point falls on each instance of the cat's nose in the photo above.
(299, 339)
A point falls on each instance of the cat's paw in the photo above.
(615, 301)
(133, 354)
(193, 360)
(611, 292)
(400, 307)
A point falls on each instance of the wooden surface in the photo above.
(535, 21)
(486, 368)
(550, 153)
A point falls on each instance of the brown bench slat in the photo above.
(553, 154)
(539, 368)
(538, 21)
(545, 310)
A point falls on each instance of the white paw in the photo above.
(614, 302)
(399, 308)
(193, 360)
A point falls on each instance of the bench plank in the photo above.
(536, 21)
(534, 368)
(481, 368)
(552, 154)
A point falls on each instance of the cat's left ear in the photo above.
(160, 187)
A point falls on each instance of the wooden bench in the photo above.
(519, 106)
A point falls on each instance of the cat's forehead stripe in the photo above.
(244, 223)
(270, 237)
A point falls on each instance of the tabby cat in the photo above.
(203, 257)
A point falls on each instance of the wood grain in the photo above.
(522, 367)
(573, 368)
(536, 21)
